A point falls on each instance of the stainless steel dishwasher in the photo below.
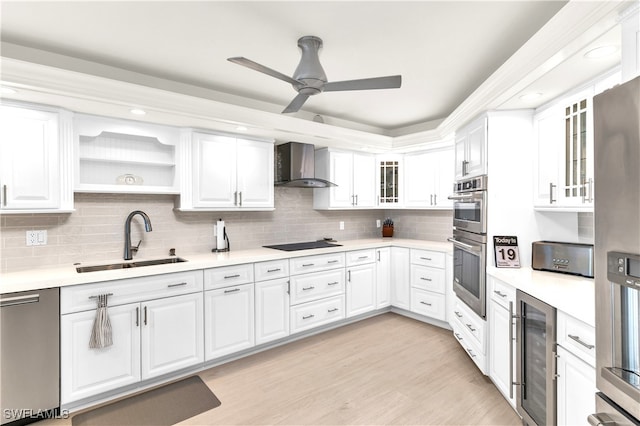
(29, 355)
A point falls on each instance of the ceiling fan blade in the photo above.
(389, 82)
(261, 68)
(296, 103)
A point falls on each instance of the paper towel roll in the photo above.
(220, 235)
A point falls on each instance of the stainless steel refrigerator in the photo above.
(617, 254)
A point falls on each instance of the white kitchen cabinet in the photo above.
(157, 328)
(575, 389)
(471, 149)
(35, 160)
(428, 178)
(390, 179)
(124, 156)
(400, 278)
(427, 281)
(383, 277)
(228, 320)
(172, 334)
(360, 289)
(271, 310)
(630, 42)
(502, 345)
(355, 177)
(228, 173)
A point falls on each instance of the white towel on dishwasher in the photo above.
(101, 335)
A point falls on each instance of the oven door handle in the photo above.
(462, 245)
(460, 197)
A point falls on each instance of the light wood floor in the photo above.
(384, 370)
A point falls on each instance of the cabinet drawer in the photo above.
(470, 322)
(81, 297)
(470, 346)
(428, 303)
(427, 278)
(434, 259)
(318, 285)
(271, 270)
(314, 314)
(360, 256)
(228, 275)
(502, 293)
(577, 337)
(321, 262)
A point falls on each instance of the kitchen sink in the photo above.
(126, 265)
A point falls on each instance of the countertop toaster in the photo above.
(570, 258)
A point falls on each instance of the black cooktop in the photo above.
(303, 246)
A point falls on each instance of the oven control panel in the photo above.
(623, 268)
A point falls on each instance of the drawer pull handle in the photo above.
(499, 293)
(577, 339)
(308, 288)
(425, 279)
(273, 270)
(425, 303)
(332, 310)
(363, 257)
(308, 316)
(333, 261)
(470, 327)
(457, 336)
(458, 314)
(233, 290)
(426, 258)
(471, 353)
(176, 285)
(226, 277)
(333, 283)
(307, 264)
(95, 297)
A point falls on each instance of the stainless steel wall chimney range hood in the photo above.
(295, 166)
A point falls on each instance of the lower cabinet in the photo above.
(149, 339)
(400, 278)
(383, 277)
(576, 388)
(272, 310)
(427, 279)
(502, 350)
(360, 289)
(228, 320)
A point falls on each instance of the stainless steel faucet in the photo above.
(128, 248)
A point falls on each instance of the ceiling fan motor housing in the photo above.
(309, 70)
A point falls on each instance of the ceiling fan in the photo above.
(309, 78)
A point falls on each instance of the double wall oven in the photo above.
(470, 242)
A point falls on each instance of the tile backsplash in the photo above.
(95, 231)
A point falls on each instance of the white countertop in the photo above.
(66, 275)
(571, 294)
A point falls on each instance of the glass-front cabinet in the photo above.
(389, 180)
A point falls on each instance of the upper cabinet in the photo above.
(355, 177)
(390, 179)
(471, 149)
(35, 154)
(429, 179)
(115, 155)
(224, 172)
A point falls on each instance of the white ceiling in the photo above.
(444, 50)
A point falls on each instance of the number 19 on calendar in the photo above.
(506, 252)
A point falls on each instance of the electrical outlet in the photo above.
(377, 223)
(342, 225)
(36, 238)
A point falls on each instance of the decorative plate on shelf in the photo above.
(129, 179)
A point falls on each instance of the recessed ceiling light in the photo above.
(137, 111)
(530, 96)
(7, 90)
(601, 52)
(241, 129)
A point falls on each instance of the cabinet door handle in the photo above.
(273, 270)
(176, 285)
(332, 310)
(590, 183)
(233, 290)
(356, 199)
(378, 256)
(240, 196)
(349, 276)
(470, 327)
(226, 277)
(308, 316)
(551, 186)
(308, 288)
(288, 287)
(425, 303)
(577, 339)
(235, 198)
(499, 293)
(430, 199)
(435, 199)
(510, 350)
(137, 316)
(145, 315)
(4, 195)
